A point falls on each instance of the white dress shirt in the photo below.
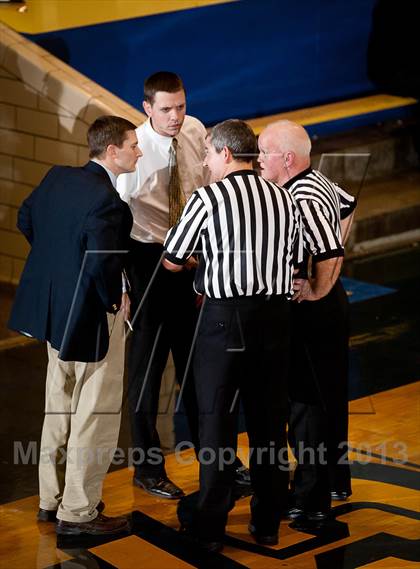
(146, 189)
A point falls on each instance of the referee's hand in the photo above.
(302, 290)
(192, 263)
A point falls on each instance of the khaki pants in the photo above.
(81, 427)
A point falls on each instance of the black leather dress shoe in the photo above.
(46, 515)
(310, 521)
(242, 476)
(340, 496)
(101, 525)
(51, 515)
(261, 538)
(210, 546)
(292, 513)
(160, 487)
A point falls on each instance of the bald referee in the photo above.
(318, 392)
(246, 230)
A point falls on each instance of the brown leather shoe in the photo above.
(99, 526)
(51, 515)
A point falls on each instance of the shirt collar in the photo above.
(164, 141)
(242, 173)
(302, 174)
(112, 176)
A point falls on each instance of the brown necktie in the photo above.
(176, 195)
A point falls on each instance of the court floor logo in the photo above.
(368, 549)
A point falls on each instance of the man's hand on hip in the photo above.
(302, 290)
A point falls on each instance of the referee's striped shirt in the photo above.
(322, 204)
(247, 231)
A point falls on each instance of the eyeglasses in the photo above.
(268, 153)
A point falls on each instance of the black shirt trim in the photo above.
(302, 174)
(242, 173)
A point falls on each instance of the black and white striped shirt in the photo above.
(322, 204)
(247, 231)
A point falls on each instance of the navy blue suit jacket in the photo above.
(77, 226)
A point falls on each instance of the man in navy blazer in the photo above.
(72, 296)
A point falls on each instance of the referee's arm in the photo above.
(327, 253)
(182, 238)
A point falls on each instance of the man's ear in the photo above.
(289, 158)
(227, 154)
(111, 150)
(147, 108)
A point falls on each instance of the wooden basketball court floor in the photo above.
(377, 528)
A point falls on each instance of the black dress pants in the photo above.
(164, 318)
(318, 422)
(242, 349)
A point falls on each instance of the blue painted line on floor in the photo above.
(359, 291)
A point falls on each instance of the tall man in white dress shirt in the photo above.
(163, 304)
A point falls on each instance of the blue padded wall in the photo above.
(243, 59)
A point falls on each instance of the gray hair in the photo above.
(237, 136)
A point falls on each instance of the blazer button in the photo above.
(114, 307)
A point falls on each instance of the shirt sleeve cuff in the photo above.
(175, 260)
(348, 210)
(328, 255)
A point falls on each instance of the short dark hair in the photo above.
(107, 130)
(165, 81)
(237, 136)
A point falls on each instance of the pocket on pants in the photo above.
(214, 326)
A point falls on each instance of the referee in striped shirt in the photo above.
(318, 392)
(246, 231)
